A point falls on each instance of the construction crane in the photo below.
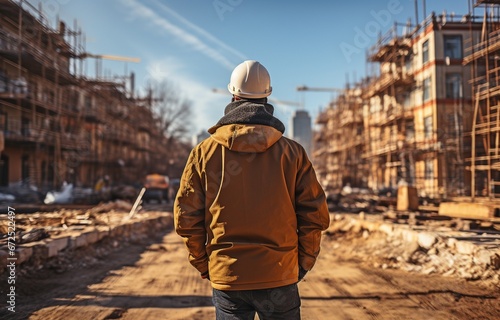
(306, 88)
(108, 57)
(99, 57)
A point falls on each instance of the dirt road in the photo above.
(153, 280)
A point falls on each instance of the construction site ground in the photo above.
(151, 278)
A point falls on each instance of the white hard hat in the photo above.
(251, 80)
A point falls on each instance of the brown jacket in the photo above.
(250, 208)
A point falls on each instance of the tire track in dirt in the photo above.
(159, 285)
(434, 293)
(156, 281)
(330, 291)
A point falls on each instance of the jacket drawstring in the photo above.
(232, 140)
(222, 169)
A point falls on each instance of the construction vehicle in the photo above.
(157, 188)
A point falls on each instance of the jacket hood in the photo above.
(246, 138)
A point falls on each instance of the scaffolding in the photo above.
(415, 112)
(57, 122)
(339, 144)
(483, 57)
(389, 113)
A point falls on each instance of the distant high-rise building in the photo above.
(199, 137)
(300, 129)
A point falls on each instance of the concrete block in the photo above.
(91, 236)
(371, 226)
(482, 257)
(466, 210)
(451, 243)
(38, 248)
(116, 231)
(78, 241)
(407, 198)
(464, 247)
(387, 229)
(409, 236)
(23, 253)
(103, 232)
(55, 245)
(426, 240)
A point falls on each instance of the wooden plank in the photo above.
(467, 210)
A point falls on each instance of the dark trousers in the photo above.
(274, 303)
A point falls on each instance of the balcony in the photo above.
(119, 136)
(382, 83)
(34, 59)
(393, 113)
(18, 131)
(93, 115)
(13, 88)
(74, 141)
(349, 117)
(390, 47)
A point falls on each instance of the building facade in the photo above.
(416, 112)
(301, 130)
(57, 124)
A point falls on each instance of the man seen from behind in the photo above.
(249, 207)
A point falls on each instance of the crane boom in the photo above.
(283, 102)
(306, 88)
(109, 57)
(127, 59)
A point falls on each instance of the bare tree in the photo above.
(173, 111)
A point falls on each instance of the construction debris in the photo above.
(424, 250)
(41, 236)
(62, 197)
(21, 193)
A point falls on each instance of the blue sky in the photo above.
(195, 44)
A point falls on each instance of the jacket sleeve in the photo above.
(189, 213)
(312, 213)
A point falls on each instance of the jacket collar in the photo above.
(249, 112)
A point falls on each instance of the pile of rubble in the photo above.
(24, 193)
(45, 223)
(418, 249)
(39, 237)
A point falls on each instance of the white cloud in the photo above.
(202, 32)
(146, 13)
(208, 106)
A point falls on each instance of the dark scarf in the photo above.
(255, 111)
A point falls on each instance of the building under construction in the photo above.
(482, 56)
(57, 123)
(417, 111)
(339, 146)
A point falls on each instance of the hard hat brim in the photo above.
(249, 95)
